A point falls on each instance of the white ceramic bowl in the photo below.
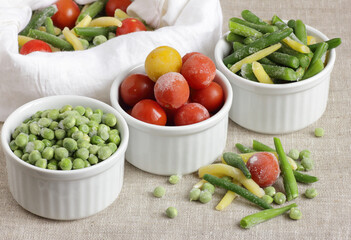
(167, 150)
(64, 195)
(277, 108)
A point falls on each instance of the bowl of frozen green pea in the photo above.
(65, 156)
(279, 71)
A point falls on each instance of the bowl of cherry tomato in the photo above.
(176, 125)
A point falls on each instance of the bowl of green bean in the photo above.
(276, 87)
(65, 156)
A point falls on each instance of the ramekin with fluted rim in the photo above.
(167, 150)
(64, 195)
(277, 108)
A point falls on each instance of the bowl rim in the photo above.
(173, 130)
(72, 174)
(275, 87)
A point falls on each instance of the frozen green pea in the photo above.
(311, 193)
(304, 153)
(307, 163)
(86, 137)
(48, 153)
(171, 212)
(32, 138)
(84, 128)
(112, 146)
(37, 114)
(21, 140)
(270, 191)
(279, 198)
(93, 124)
(44, 122)
(47, 133)
(61, 153)
(86, 164)
(77, 135)
(69, 122)
(71, 131)
(70, 144)
(97, 40)
(15, 133)
(174, 179)
(53, 114)
(65, 164)
(99, 111)
(13, 145)
(205, 196)
(18, 153)
(34, 156)
(42, 163)
(294, 154)
(88, 112)
(60, 134)
(81, 120)
(194, 194)
(54, 125)
(29, 147)
(103, 132)
(23, 128)
(295, 213)
(80, 110)
(82, 143)
(96, 140)
(159, 192)
(44, 114)
(319, 132)
(93, 159)
(34, 128)
(25, 157)
(113, 131)
(39, 145)
(96, 117)
(208, 187)
(104, 152)
(78, 163)
(299, 167)
(66, 108)
(268, 199)
(82, 153)
(47, 143)
(52, 165)
(93, 149)
(114, 138)
(111, 35)
(59, 142)
(109, 119)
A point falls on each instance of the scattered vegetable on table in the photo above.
(274, 51)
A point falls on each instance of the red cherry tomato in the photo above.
(112, 5)
(188, 55)
(199, 70)
(135, 88)
(130, 25)
(67, 14)
(210, 97)
(190, 113)
(149, 111)
(34, 46)
(171, 90)
(264, 168)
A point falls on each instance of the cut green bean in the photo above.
(265, 60)
(243, 30)
(94, 31)
(49, 26)
(282, 25)
(304, 178)
(243, 149)
(319, 52)
(314, 69)
(246, 72)
(300, 31)
(283, 73)
(304, 60)
(259, 44)
(259, 27)
(289, 180)
(236, 161)
(332, 43)
(249, 40)
(291, 23)
(251, 17)
(232, 37)
(299, 73)
(284, 59)
(264, 215)
(260, 147)
(51, 39)
(237, 189)
(93, 10)
(38, 19)
(237, 46)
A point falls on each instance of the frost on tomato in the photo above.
(264, 168)
(171, 90)
(199, 70)
(188, 55)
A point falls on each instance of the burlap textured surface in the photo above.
(136, 214)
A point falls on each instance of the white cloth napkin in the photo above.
(186, 25)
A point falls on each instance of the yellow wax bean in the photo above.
(260, 73)
(105, 22)
(72, 39)
(296, 45)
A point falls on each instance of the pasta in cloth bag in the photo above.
(186, 25)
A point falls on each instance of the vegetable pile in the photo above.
(251, 175)
(66, 138)
(67, 26)
(175, 91)
(275, 51)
